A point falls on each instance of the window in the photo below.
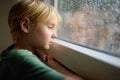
(91, 23)
(94, 25)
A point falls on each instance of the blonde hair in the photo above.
(35, 10)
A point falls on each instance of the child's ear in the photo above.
(24, 24)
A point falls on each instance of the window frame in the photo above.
(92, 65)
(104, 57)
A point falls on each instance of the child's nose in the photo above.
(54, 35)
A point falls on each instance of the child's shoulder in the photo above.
(16, 54)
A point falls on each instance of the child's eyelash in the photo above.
(50, 27)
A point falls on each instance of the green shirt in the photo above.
(23, 65)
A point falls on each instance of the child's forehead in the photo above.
(52, 19)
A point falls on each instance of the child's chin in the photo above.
(47, 47)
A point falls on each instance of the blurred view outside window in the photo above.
(91, 23)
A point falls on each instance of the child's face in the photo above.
(43, 34)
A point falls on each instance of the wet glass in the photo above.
(91, 23)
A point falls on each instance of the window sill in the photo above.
(91, 64)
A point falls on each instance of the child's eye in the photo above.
(51, 27)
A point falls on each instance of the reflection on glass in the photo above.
(92, 23)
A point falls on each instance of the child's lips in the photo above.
(51, 43)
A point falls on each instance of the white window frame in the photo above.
(91, 64)
(107, 58)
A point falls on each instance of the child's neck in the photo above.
(20, 45)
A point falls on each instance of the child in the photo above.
(32, 24)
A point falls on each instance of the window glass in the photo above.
(91, 23)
